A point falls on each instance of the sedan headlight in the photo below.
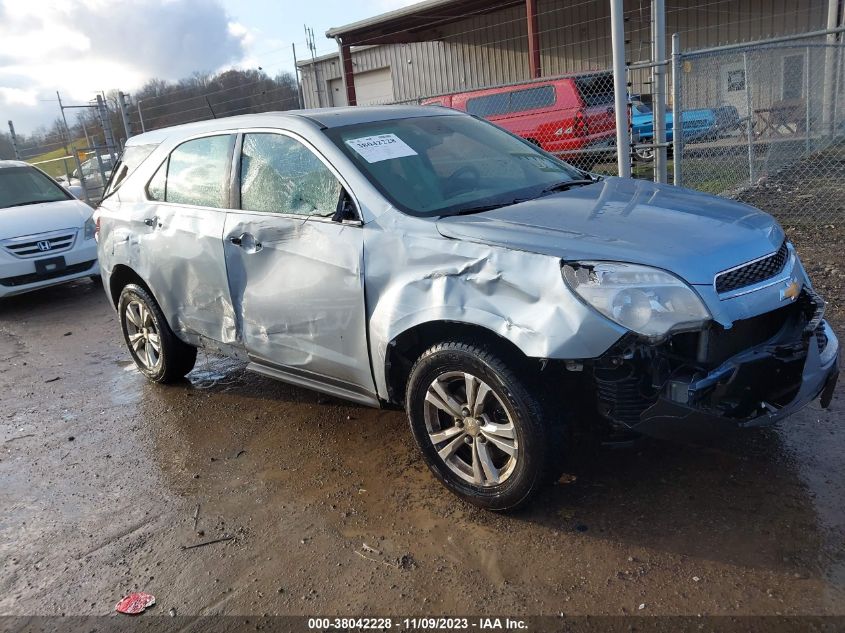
(90, 228)
(645, 300)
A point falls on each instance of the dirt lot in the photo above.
(102, 474)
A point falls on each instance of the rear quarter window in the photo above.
(130, 160)
(512, 101)
(195, 173)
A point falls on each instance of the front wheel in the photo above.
(157, 352)
(481, 430)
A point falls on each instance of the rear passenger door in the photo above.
(295, 273)
(181, 235)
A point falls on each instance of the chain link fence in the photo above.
(778, 118)
(570, 116)
(79, 158)
(82, 169)
(762, 122)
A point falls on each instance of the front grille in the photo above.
(31, 278)
(720, 344)
(753, 273)
(821, 337)
(35, 245)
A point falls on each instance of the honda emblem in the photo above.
(44, 245)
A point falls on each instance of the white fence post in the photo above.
(749, 122)
(620, 88)
(658, 77)
(677, 124)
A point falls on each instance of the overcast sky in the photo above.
(80, 48)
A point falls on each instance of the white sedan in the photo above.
(46, 235)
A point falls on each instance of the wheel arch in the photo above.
(405, 348)
(121, 276)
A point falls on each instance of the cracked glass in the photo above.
(280, 175)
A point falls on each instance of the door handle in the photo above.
(247, 242)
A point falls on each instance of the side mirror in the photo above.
(345, 209)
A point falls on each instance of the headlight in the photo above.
(90, 228)
(645, 300)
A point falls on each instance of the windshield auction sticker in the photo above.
(375, 149)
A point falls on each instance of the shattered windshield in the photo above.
(443, 165)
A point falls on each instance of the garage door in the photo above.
(374, 86)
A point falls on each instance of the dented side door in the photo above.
(296, 280)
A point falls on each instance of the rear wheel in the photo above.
(480, 429)
(157, 352)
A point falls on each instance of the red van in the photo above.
(572, 117)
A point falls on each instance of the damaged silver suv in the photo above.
(420, 257)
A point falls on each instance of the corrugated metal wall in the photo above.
(574, 36)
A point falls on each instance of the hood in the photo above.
(40, 218)
(691, 234)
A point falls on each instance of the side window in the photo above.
(156, 186)
(513, 101)
(489, 105)
(532, 98)
(197, 172)
(280, 175)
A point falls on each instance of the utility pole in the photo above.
(140, 116)
(309, 40)
(81, 120)
(123, 102)
(298, 80)
(14, 140)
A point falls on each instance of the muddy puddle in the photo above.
(326, 507)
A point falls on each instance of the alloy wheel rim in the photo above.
(143, 336)
(471, 429)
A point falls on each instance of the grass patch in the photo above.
(56, 168)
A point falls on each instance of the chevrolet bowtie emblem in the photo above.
(791, 291)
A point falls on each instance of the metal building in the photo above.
(441, 46)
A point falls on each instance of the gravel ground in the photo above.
(809, 200)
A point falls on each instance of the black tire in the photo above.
(537, 445)
(174, 359)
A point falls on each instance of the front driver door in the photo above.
(295, 275)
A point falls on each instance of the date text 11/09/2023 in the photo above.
(418, 624)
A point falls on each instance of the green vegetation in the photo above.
(56, 168)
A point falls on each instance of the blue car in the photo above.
(697, 125)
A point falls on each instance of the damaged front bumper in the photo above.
(685, 390)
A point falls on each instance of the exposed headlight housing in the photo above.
(90, 228)
(645, 300)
